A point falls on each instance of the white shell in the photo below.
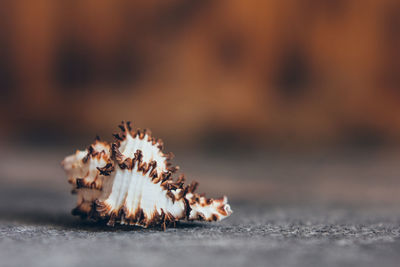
(130, 182)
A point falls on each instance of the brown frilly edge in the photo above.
(101, 211)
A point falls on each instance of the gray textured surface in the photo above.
(37, 230)
(361, 229)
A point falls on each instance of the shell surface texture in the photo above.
(131, 181)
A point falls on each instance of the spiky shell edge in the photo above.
(88, 170)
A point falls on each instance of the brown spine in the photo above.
(106, 170)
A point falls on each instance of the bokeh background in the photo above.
(261, 100)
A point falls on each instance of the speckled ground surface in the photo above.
(39, 231)
(297, 227)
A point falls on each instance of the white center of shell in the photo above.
(133, 190)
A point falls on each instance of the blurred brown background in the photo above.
(246, 75)
(290, 108)
(264, 72)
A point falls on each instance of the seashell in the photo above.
(131, 182)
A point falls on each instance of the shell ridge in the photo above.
(134, 192)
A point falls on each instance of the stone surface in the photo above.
(323, 209)
(36, 229)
